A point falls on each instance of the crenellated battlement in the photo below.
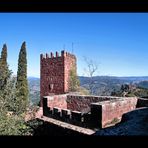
(57, 55)
(55, 71)
(100, 111)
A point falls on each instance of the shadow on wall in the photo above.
(142, 102)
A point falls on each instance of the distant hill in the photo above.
(34, 89)
(121, 79)
(143, 84)
(104, 85)
(134, 79)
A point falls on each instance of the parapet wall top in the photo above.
(51, 55)
(57, 54)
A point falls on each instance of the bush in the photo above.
(83, 91)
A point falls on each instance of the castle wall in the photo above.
(104, 110)
(54, 70)
(83, 102)
(80, 103)
(57, 101)
(108, 112)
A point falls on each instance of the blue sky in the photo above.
(117, 42)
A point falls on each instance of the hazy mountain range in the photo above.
(103, 85)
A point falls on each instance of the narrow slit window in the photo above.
(50, 87)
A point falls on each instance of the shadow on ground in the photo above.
(41, 128)
(132, 123)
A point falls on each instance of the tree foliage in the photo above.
(13, 125)
(4, 71)
(83, 91)
(11, 114)
(74, 82)
(126, 90)
(22, 83)
(4, 54)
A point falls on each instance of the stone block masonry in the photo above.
(76, 116)
(82, 103)
(55, 71)
(103, 109)
(56, 101)
(66, 114)
(106, 112)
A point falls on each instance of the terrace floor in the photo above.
(133, 123)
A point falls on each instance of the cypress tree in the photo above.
(22, 83)
(11, 121)
(4, 54)
(4, 71)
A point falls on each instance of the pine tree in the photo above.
(22, 83)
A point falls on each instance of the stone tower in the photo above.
(54, 73)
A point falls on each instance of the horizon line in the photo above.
(99, 76)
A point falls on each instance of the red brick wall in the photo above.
(54, 69)
(103, 112)
(115, 109)
(82, 103)
(75, 102)
(57, 101)
(52, 72)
